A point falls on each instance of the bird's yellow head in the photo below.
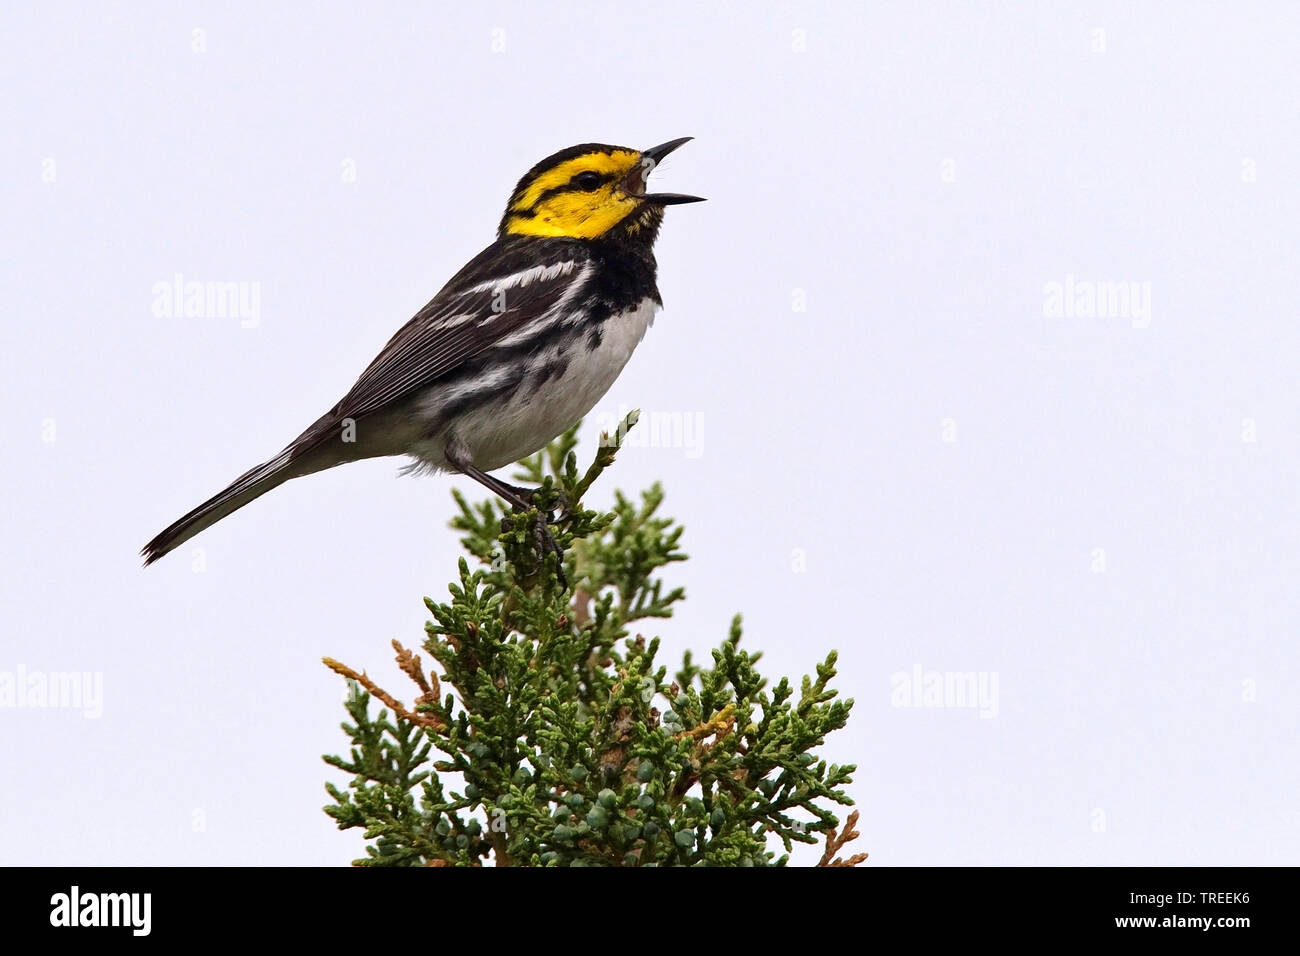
(587, 191)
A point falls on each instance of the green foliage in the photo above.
(563, 742)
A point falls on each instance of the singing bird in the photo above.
(516, 348)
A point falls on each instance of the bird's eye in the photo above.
(587, 181)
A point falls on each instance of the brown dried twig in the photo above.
(424, 719)
(409, 662)
(835, 841)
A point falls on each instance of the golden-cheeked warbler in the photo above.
(516, 348)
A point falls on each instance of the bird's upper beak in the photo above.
(650, 158)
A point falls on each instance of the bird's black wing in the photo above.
(506, 290)
(511, 290)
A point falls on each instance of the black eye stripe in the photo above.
(572, 186)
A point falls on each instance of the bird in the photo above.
(515, 349)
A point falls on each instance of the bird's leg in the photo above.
(521, 500)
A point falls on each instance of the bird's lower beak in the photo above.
(650, 158)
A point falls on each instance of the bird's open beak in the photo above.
(650, 158)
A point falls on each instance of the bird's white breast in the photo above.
(524, 421)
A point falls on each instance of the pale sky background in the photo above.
(1099, 512)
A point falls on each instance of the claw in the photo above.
(562, 510)
(545, 541)
(564, 505)
(521, 500)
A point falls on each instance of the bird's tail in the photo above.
(252, 484)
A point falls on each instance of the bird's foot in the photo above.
(560, 510)
(542, 540)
